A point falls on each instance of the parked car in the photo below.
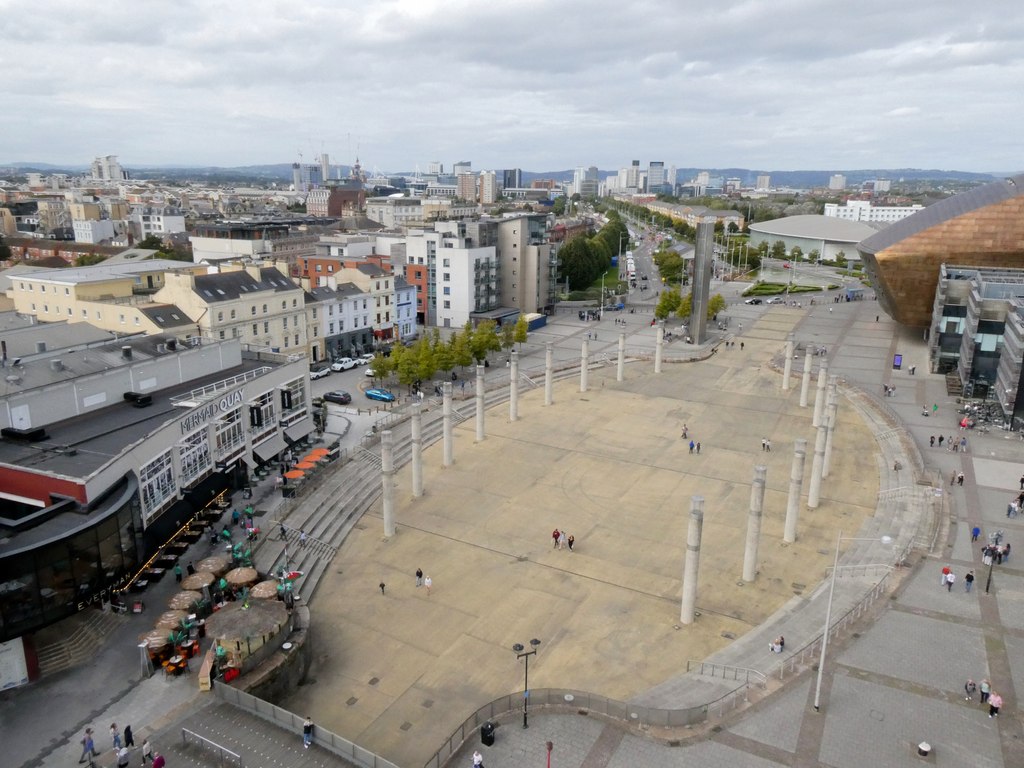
(338, 396)
(370, 373)
(380, 394)
(343, 364)
(776, 300)
(752, 301)
(365, 359)
(319, 373)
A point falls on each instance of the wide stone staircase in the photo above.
(64, 649)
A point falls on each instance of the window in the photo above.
(319, 267)
(447, 276)
(446, 263)
(266, 327)
(284, 321)
(195, 457)
(295, 303)
(331, 329)
(67, 291)
(255, 329)
(220, 317)
(156, 484)
(220, 334)
(42, 289)
(69, 315)
(85, 313)
(264, 309)
(447, 291)
(232, 314)
(296, 339)
(284, 304)
(314, 313)
(316, 331)
(121, 319)
(136, 317)
(447, 304)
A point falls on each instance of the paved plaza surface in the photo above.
(398, 672)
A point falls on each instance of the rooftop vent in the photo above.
(126, 352)
(56, 365)
(40, 346)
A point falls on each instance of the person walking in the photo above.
(931, 441)
(995, 701)
(302, 538)
(129, 739)
(428, 583)
(968, 581)
(554, 538)
(115, 736)
(123, 758)
(768, 445)
(158, 760)
(960, 478)
(1022, 482)
(570, 541)
(692, 446)
(382, 585)
(946, 570)
(986, 689)
(307, 732)
(698, 448)
(764, 443)
(950, 578)
(975, 533)
(177, 572)
(478, 759)
(419, 577)
(561, 540)
(88, 747)
(970, 688)
(147, 751)
(941, 438)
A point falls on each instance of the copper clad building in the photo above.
(980, 228)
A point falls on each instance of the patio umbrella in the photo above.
(216, 565)
(184, 600)
(319, 451)
(264, 590)
(242, 577)
(170, 619)
(155, 639)
(306, 465)
(294, 474)
(197, 581)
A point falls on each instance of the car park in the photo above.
(338, 396)
(752, 301)
(343, 364)
(319, 373)
(381, 395)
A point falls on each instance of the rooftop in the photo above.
(816, 228)
(106, 271)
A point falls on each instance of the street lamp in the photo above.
(521, 653)
(828, 611)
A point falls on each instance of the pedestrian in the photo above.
(570, 541)
(768, 445)
(88, 747)
(931, 441)
(1022, 482)
(191, 568)
(986, 688)
(478, 760)
(561, 540)
(741, 345)
(764, 444)
(177, 572)
(950, 578)
(692, 446)
(302, 538)
(419, 577)
(995, 701)
(158, 760)
(381, 585)
(307, 727)
(963, 445)
(235, 516)
(941, 438)
(428, 583)
(946, 570)
(284, 532)
(129, 739)
(1006, 552)
(123, 758)
(960, 478)
(115, 736)
(968, 581)
(698, 448)
(935, 407)
(975, 533)
(970, 688)
(554, 537)
(147, 751)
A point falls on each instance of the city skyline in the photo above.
(793, 85)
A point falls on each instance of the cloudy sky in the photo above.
(536, 84)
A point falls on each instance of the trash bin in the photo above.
(487, 734)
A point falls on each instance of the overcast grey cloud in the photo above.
(772, 84)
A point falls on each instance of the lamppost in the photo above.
(521, 653)
(828, 611)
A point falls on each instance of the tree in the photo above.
(841, 259)
(577, 263)
(715, 305)
(685, 308)
(484, 340)
(462, 353)
(508, 336)
(670, 265)
(796, 253)
(88, 259)
(814, 255)
(5, 250)
(151, 243)
(558, 207)
(668, 303)
(778, 250)
(733, 228)
(522, 329)
(426, 363)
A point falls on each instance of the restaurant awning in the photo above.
(299, 429)
(266, 451)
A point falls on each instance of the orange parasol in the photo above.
(319, 452)
(306, 465)
(294, 474)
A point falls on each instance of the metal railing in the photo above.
(728, 672)
(224, 755)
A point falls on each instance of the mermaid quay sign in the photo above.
(203, 414)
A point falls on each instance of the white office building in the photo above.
(862, 210)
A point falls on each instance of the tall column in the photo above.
(387, 473)
(814, 494)
(621, 369)
(417, 450)
(692, 560)
(796, 481)
(830, 429)
(479, 403)
(819, 396)
(513, 388)
(805, 385)
(703, 255)
(549, 371)
(754, 523)
(787, 369)
(446, 424)
(658, 347)
(584, 365)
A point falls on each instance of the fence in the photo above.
(293, 723)
(727, 672)
(224, 756)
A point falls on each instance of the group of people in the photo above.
(996, 552)
(561, 539)
(948, 578)
(952, 444)
(423, 581)
(778, 645)
(122, 748)
(988, 696)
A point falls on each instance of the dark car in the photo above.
(380, 394)
(752, 301)
(338, 396)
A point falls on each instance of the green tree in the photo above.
(685, 308)
(508, 336)
(814, 255)
(462, 352)
(778, 250)
(762, 249)
(484, 339)
(426, 363)
(733, 228)
(667, 303)
(670, 265)
(841, 259)
(383, 367)
(406, 366)
(88, 259)
(442, 352)
(577, 264)
(5, 250)
(150, 243)
(521, 331)
(715, 305)
(796, 253)
(558, 207)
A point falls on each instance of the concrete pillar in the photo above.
(621, 369)
(658, 348)
(819, 396)
(787, 369)
(513, 388)
(584, 365)
(830, 429)
(549, 371)
(417, 450)
(805, 385)
(754, 523)
(446, 424)
(692, 562)
(814, 494)
(387, 474)
(479, 403)
(796, 481)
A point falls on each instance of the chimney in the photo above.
(172, 344)
(40, 346)
(56, 366)
(126, 352)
